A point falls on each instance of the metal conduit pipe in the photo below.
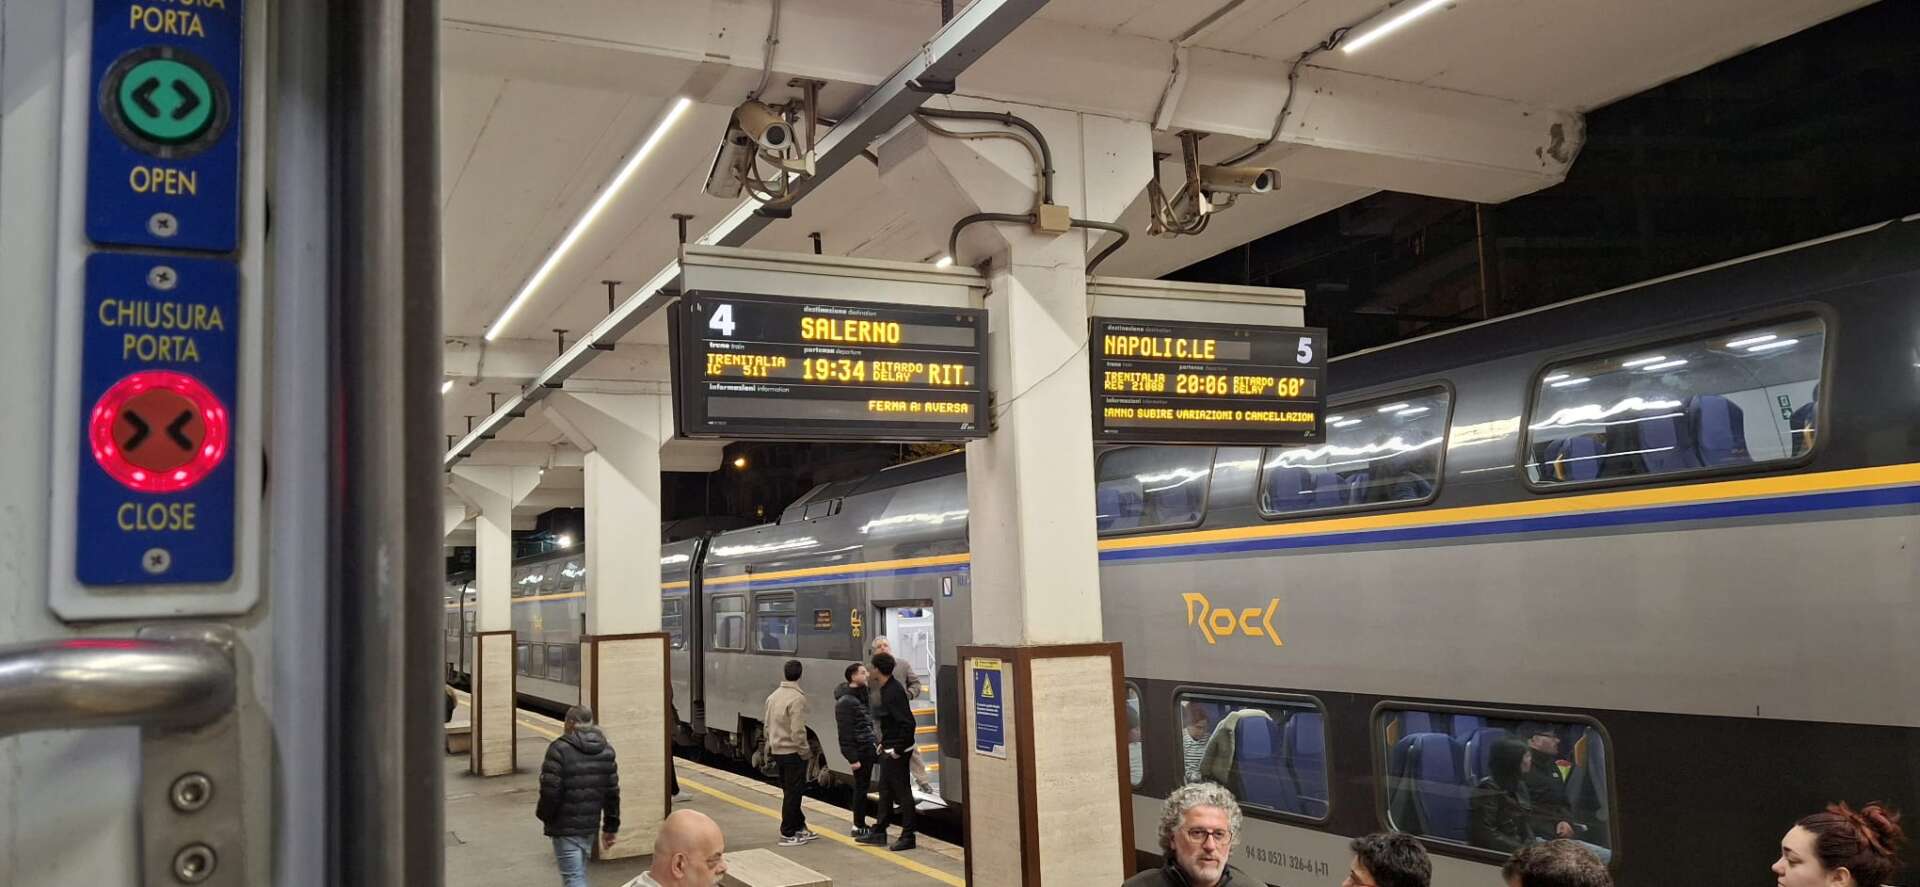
(1046, 151)
(953, 238)
(113, 682)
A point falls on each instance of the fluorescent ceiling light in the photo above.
(1665, 364)
(1413, 411)
(1346, 423)
(1392, 19)
(1643, 361)
(1774, 345)
(1557, 377)
(1569, 383)
(1393, 407)
(680, 107)
(1751, 340)
(446, 386)
(944, 262)
(1338, 418)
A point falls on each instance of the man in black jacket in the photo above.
(894, 716)
(857, 740)
(579, 794)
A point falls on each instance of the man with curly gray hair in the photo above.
(1197, 829)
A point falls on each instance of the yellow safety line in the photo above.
(888, 855)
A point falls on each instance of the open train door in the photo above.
(909, 627)
(221, 617)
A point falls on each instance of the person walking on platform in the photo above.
(894, 716)
(579, 794)
(910, 682)
(690, 852)
(1198, 826)
(786, 724)
(858, 742)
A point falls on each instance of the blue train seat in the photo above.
(1303, 747)
(1719, 429)
(1119, 504)
(1478, 751)
(1255, 761)
(1437, 787)
(1801, 426)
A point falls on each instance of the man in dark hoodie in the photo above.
(894, 717)
(858, 742)
(579, 794)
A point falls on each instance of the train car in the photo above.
(1651, 545)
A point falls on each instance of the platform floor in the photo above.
(493, 839)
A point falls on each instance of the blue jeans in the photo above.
(572, 852)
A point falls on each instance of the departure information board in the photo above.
(752, 367)
(1157, 381)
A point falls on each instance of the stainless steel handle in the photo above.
(73, 684)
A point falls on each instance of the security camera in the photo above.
(1238, 179)
(723, 178)
(764, 125)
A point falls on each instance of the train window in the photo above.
(1495, 782)
(1139, 488)
(773, 624)
(557, 662)
(673, 621)
(1738, 397)
(730, 622)
(1271, 753)
(536, 661)
(1136, 755)
(520, 657)
(1378, 452)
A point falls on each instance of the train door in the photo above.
(910, 630)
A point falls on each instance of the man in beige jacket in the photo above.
(786, 725)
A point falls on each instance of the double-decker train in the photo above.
(1664, 536)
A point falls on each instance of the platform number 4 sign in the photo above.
(722, 320)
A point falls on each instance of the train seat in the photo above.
(1464, 726)
(1301, 488)
(1303, 747)
(1665, 443)
(1719, 429)
(1120, 504)
(1478, 751)
(1354, 487)
(1435, 785)
(1571, 459)
(1255, 762)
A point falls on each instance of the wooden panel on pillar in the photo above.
(1031, 817)
(626, 679)
(495, 683)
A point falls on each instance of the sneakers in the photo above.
(797, 838)
(873, 838)
(681, 796)
(857, 833)
(925, 787)
(905, 843)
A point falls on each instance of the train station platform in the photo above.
(493, 839)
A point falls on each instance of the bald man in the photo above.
(690, 852)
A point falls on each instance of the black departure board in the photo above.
(1159, 381)
(753, 367)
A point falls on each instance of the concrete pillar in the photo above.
(623, 657)
(1052, 805)
(494, 490)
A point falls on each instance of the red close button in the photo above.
(158, 431)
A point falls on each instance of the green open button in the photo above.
(167, 101)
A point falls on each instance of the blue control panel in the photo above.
(159, 373)
(163, 153)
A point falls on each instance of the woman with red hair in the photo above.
(1841, 847)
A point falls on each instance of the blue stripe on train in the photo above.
(1659, 514)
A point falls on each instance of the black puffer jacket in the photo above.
(579, 785)
(850, 714)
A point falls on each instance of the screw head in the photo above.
(157, 561)
(191, 792)
(162, 278)
(193, 864)
(163, 225)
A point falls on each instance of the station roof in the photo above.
(543, 105)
